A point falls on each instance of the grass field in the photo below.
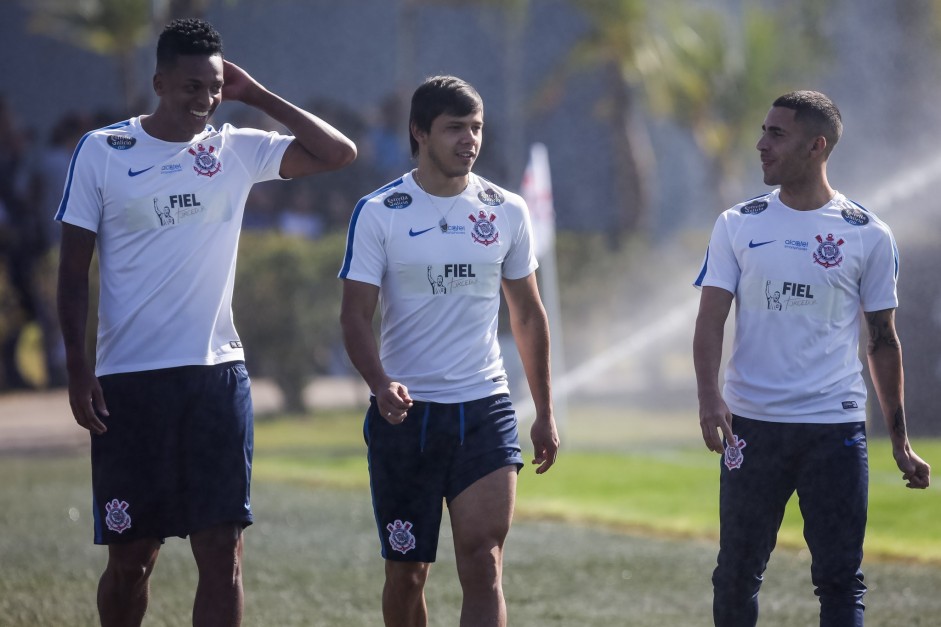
(605, 538)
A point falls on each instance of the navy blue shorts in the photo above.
(177, 456)
(438, 451)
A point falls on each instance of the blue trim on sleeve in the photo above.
(348, 257)
(702, 273)
(60, 212)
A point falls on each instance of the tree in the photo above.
(709, 70)
(113, 28)
(716, 74)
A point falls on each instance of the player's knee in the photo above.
(131, 568)
(407, 577)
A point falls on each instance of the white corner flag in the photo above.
(536, 190)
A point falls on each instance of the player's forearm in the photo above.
(72, 293)
(532, 341)
(707, 357)
(324, 142)
(885, 367)
(72, 305)
(884, 351)
(363, 352)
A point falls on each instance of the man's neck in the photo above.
(434, 182)
(807, 197)
(153, 126)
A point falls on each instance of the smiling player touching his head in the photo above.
(168, 400)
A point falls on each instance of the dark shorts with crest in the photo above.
(438, 451)
(177, 456)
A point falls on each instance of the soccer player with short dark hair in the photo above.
(801, 262)
(168, 400)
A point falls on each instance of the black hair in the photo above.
(817, 112)
(187, 36)
(438, 95)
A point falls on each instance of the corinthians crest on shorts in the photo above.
(733, 453)
(206, 162)
(117, 518)
(400, 536)
(484, 232)
(828, 253)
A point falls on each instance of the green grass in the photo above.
(606, 538)
(660, 489)
(312, 560)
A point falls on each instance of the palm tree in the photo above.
(615, 44)
(717, 74)
(710, 71)
(113, 28)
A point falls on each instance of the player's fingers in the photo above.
(711, 438)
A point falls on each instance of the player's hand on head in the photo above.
(237, 83)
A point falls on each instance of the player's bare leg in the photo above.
(403, 596)
(124, 587)
(480, 521)
(218, 553)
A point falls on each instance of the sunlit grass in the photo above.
(653, 488)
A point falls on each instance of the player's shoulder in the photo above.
(392, 196)
(120, 136)
(493, 195)
(754, 206)
(857, 215)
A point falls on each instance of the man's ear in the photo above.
(819, 146)
(416, 132)
(157, 82)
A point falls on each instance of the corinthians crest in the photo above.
(400, 536)
(733, 453)
(484, 232)
(828, 253)
(206, 163)
(117, 517)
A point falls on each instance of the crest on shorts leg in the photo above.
(117, 517)
(733, 453)
(400, 536)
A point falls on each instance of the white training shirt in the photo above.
(440, 291)
(800, 279)
(167, 217)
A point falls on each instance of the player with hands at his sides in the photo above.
(440, 425)
(802, 262)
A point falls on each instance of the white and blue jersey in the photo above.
(800, 280)
(438, 263)
(167, 217)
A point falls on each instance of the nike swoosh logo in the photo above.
(131, 172)
(414, 233)
(853, 441)
(754, 244)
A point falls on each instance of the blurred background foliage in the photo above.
(677, 87)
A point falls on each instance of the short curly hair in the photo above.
(187, 36)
